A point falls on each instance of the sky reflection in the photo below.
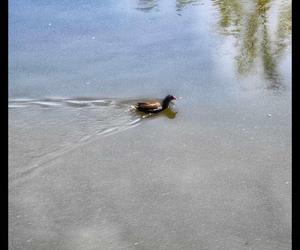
(146, 47)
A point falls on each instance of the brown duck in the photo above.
(154, 106)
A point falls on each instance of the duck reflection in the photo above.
(169, 113)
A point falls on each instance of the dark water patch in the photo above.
(181, 4)
(147, 5)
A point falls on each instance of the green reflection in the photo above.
(269, 59)
(252, 31)
(180, 4)
(249, 45)
(170, 113)
(147, 5)
(284, 28)
(249, 23)
(231, 13)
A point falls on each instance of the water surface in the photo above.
(88, 172)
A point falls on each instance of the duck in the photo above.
(155, 106)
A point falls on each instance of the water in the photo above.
(86, 171)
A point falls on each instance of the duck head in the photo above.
(167, 100)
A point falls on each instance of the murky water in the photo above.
(87, 171)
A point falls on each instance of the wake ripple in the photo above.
(44, 130)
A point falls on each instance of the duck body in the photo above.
(154, 106)
(149, 107)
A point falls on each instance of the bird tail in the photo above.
(132, 107)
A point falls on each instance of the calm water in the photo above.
(88, 172)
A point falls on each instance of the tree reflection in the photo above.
(252, 30)
(147, 5)
(284, 29)
(180, 4)
(269, 58)
(231, 15)
(250, 25)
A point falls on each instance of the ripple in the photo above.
(43, 130)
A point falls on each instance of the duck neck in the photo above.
(165, 103)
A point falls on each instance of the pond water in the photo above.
(86, 171)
